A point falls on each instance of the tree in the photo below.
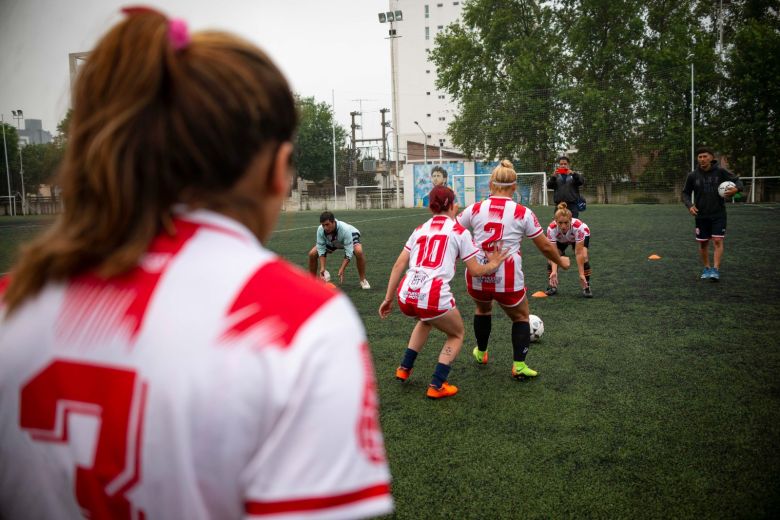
(40, 164)
(603, 41)
(502, 65)
(752, 87)
(313, 153)
(11, 147)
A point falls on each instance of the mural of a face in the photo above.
(437, 178)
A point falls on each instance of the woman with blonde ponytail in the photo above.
(498, 220)
(565, 231)
(155, 359)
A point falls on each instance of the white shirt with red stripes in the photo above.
(434, 248)
(500, 218)
(205, 383)
(577, 232)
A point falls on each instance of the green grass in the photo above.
(658, 398)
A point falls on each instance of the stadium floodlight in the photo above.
(399, 16)
(390, 16)
(382, 18)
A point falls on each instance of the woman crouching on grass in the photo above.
(430, 254)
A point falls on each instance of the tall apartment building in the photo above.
(418, 99)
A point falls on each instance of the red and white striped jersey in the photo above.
(576, 233)
(500, 218)
(433, 248)
(205, 383)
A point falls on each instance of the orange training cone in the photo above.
(539, 294)
(654, 257)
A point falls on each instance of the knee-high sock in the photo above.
(483, 323)
(521, 339)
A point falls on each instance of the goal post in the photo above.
(366, 197)
(531, 188)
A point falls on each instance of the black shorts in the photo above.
(710, 227)
(355, 241)
(563, 245)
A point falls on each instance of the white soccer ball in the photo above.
(326, 277)
(726, 185)
(537, 327)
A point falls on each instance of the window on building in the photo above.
(455, 3)
(427, 93)
(439, 5)
(440, 27)
(427, 33)
(427, 115)
(427, 11)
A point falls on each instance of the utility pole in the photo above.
(353, 140)
(385, 124)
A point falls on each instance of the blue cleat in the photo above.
(707, 273)
(714, 274)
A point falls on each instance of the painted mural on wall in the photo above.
(482, 172)
(428, 175)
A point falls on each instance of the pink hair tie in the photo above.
(178, 34)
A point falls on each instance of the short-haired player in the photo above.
(333, 234)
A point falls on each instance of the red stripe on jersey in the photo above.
(458, 229)
(369, 433)
(496, 209)
(509, 274)
(107, 305)
(519, 211)
(435, 294)
(475, 207)
(576, 223)
(4, 281)
(299, 505)
(437, 223)
(280, 298)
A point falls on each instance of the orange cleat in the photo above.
(445, 390)
(403, 373)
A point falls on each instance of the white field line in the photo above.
(356, 221)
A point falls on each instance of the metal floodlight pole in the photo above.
(693, 145)
(333, 130)
(425, 146)
(7, 169)
(19, 115)
(393, 17)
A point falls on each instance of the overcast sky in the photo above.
(321, 46)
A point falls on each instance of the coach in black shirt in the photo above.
(566, 184)
(709, 208)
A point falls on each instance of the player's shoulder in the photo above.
(457, 228)
(277, 295)
(552, 226)
(520, 211)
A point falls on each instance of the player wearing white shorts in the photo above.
(156, 361)
(429, 258)
(499, 220)
(565, 231)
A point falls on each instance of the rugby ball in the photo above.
(537, 327)
(727, 185)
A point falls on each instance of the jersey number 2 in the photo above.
(496, 229)
(117, 398)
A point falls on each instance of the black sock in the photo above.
(521, 339)
(482, 326)
(409, 357)
(440, 374)
(587, 271)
